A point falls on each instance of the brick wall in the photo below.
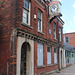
(10, 18)
(46, 68)
(7, 19)
(71, 38)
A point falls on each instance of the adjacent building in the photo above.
(69, 38)
(30, 44)
(69, 55)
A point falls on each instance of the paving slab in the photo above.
(66, 71)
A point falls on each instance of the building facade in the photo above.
(29, 43)
(69, 38)
(69, 55)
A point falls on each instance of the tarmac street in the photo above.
(66, 71)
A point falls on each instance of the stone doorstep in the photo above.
(48, 73)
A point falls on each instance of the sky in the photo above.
(68, 12)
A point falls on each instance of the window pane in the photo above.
(23, 4)
(39, 14)
(48, 58)
(54, 24)
(39, 20)
(48, 49)
(25, 16)
(55, 50)
(26, 4)
(67, 39)
(24, 20)
(39, 24)
(60, 34)
(55, 55)
(40, 54)
(55, 34)
(54, 27)
(48, 55)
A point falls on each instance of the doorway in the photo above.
(24, 49)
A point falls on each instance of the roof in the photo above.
(69, 33)
(69, 47)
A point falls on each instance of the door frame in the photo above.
(20, 41)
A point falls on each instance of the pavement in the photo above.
(66, 71)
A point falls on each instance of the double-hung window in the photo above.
(54, 25)
(39, 54)
(55, 56)
(39, 21)
(26, 12)
(48, 55)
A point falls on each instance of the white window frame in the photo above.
(28, 13)
(55, 56)
(49, 61)
(39, 54)
(54, 27)
(40, 19)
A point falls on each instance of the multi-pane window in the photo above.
(48, 55)
(26, 11)
(39, 21)
(55, 55)
(54, 27)
(39, 54)
(67, 39)
(60, 33)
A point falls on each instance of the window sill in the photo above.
(55, 63)
(26, 25)
(41, 66)
(49, 65)
(41, 32)
(55, 39)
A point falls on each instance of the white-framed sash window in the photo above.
(26, 12)
(39, 20)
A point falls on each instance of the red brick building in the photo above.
(69, 38)
(28, 41)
